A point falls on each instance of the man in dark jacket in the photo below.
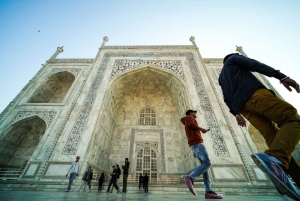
(277, 120)
(113, 180)
(141, 181)
(195, 142)
(125, 174)
(145, 183)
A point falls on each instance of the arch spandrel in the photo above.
(54, 89)
(124, 66)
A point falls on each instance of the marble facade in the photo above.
(93, 108)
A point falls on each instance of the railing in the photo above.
(158, 180)
(10, 173)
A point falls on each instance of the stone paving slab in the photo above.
(74, 196)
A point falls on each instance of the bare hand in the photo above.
(240, 121)
(204, 130)
(288, 83)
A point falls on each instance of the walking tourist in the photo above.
(113, 180)
(277, 121)
(74, 171)
(85, 179)
(118, 176)
(195, 142)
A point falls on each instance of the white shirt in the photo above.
(74, 167)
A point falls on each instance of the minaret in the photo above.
(59, 50)
(192, 39)
(105, 39)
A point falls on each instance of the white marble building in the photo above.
(126, 102)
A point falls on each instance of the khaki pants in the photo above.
(265, 112)
(112, 187)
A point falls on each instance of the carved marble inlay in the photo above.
(46, 116)
(217, 138)
(125, 65)
(140, 144)
(74, 71)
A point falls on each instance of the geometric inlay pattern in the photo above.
(46, 116)
(74, 71)
(220, 148)
(124, 65)
(141, 144)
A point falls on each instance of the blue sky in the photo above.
(269, 31)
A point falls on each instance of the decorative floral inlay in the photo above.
(124, 65)
(74, 71)
(46, 116)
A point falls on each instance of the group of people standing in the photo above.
(143, 182)
(115, 175)
(88, 176)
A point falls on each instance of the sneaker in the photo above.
(190, 184)
(107, 192)
(119, 191)
(84, 191)
(213, 195)
(276, 174)
(77, 190)
(67, 190)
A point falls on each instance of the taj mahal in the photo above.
(126, 102)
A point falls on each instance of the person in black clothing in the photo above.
(90, 180)
(141, 181)
(118, 177)
(125, 174)
(145, 182)
(100, 183)
(113, 180)
(277, 120)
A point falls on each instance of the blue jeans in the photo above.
(201, 153)
(72, 177)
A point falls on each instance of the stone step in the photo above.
(132, 188)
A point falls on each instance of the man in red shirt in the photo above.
(195, 142)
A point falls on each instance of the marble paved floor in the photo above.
(74, 196)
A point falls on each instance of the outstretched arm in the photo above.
(288, 83)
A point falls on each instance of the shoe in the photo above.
(84, 191)
(190, 184)
(276, 174)
(213, 195)
(118, 191)
(77, 190)
(107, 192)
(67, 190)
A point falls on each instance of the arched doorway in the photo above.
(20, 140)
(146, 163)
(143, 105)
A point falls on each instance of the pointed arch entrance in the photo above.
(146, 162)
(143, 105)
(20, 140)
